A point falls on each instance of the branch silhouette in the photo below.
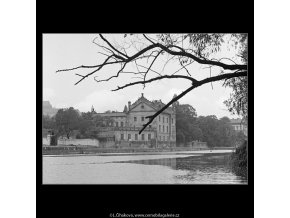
(122, 58)
(195, 84)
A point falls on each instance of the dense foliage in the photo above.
(216, 132)
(189, 127)
(238, 101)
(239, 160)
(66, 121)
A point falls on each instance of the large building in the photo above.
(239, 125)
(124, 127)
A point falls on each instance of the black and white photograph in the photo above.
(134, 108)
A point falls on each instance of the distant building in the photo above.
(239, 125)
(47, 109)
(124, 129)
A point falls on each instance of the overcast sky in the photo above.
(62, 51)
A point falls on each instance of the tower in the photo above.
(93, 109)
(176, 103)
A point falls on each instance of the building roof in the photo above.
(112, 114)
(155, 104)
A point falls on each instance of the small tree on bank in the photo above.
(67, 120)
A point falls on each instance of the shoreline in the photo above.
(79, 151)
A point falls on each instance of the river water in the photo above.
(194, 167)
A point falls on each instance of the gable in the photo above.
(146, 107)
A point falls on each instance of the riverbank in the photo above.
(239, 160)
(87, 150)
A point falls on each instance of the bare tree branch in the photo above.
(194, 85)
(103, 80)
(100, 67)
(103, 38)
(127, 59)
(150, 69)
(151, 65)
(182, 67)
(94, 66)
(148, 39)
(156, 78)
(124, 58)
(167, 62)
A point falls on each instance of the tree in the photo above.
(227, 133)
(67, 120)
(101, 121)
(85, 125)
(91, 123)
(216, 132)
(186, 129)
(238, 101)
(183, 48)
(48, 122)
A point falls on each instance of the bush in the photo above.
(239, 160)
(53, 140)
(78, 136)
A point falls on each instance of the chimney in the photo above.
(142, 94)
(129, 105)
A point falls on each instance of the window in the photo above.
(167, 119)
(136, 137)
(163, 119)
(117, 124)
(142, 118)
(159, 128)
(129, 136)
(122, 124)
(135, 119)
(149, 136)
(122, 136)
(163, 128)
(163, 138)
(143, 137)
(172, 120)
(167, 128)
(142, 106)
(159, 118)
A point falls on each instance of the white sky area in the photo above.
(62, 51)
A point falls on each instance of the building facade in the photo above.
(239, 125)
(123, 130)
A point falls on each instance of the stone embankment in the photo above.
(66, 150)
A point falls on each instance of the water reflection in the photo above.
(204, 169)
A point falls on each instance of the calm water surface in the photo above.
(195, 167)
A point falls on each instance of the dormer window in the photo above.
(142, 106)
